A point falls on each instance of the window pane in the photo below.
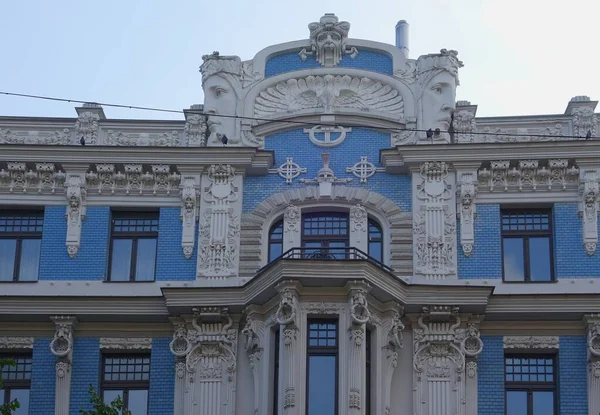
(138, 402)
(111, 395)
(120, 267)
(22, 395)
(516, 402)
(275, 250)
(30, 259)
(513, 259)
(321, 385)
(337, 253)
(539, 259)
(146, 258)
(543, 403)
(8, 250)
(375, 250)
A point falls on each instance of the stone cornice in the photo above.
(520, 307)
(250, 160)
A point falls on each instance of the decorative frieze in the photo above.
(289, 170)
(189, 212)
(328, 41)
(56, 137)
(364, 169)
(132, 179)
(528, 175)
(434, 225)
(531, 342)
(44, 178)
(218, 253)
(61, 346)
(76, 210)
(125, 343)
(466, 207)
(588, 190)
(163, 139)
(17, 343)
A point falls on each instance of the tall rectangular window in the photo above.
(17, 382)
(325, 235)
(527, 245)
(322, 367)
(127, 376)
(20, 245)
(276, 372)
(368, 372)
(134, 237)
(530, 385)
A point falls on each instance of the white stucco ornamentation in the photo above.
(76, 210)
(61, 346)
(434, 225)
(287, 316)
(45, 178)
(289, 170)
(466, 205)
(359, 229)
(195, 130)
(531, 342)
(584, 121)
(291, 226)
(391, 330)
(328, 41)
(325, 177)
(339, 135)
(220, 226)
(464, 126)
(123, 138)
(359, 316)
(55, 137)
(189, 209)
(17, 343)
(254, 332)
(125, 343)
(528, 175)
(592, 322)
(327, 94)
(364, 169)
(86, 127)
(132, 180)
(589, 189)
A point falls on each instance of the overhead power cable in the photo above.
(281, 120)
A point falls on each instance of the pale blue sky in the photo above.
(521, 57)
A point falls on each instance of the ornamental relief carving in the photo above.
(132, 179)
(329, 93)
(589, 190)
(328, 41)
(86, 127)
(531, 342)
(126, 343)
(189, 208)
(57, 137)
(164, 139)
(466, 204)
(195, 130)
(16, 343)
(44, 178)
(76, 210)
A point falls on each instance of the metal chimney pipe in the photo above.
(402, 37)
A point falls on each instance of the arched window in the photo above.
(375, 240)
(276, 240)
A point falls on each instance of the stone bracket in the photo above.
(76, 210)
(588, 190)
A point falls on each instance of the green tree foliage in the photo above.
(9, 407)
(116, 407)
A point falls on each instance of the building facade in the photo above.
(329, 233)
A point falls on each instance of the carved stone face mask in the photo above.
(220, 99)
(438, 101)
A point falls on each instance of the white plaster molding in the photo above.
(289, 170)
(86, 127)
(592, 322)
(125, 343)
(325, 177)
(220, 210)
(18, 343)
(464, 124)
(531, 342)
(434, 228)
(593, 330)
(195, 130)
(76, 210)
(359, 316)
(364, 169)
(292, 235)
(329, 41)
(391, 341)
(359, 228)
(44, 179)
(53, 137)
(584, 120)
(466, 204)
(132, 180)
(189, 213)
(589, 190)
(327, 132)
(131, 139)
(254, 332)
(61, 346)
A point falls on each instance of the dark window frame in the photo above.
(134, 236)
(327, 239)
(368, 368)
(12, 384)
(525, 235)
(125, 385)
(278, 223)
(276, 362)
(323, 351)
(21, 235)
(378, 239)
(532, 386)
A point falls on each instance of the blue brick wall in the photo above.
(85, 371)
(162, 378)
(43, 379)
(296, 144)
(90, 262)
(572, 370)
(170, 262)
(491, 377)
(571, 260)
(367, 60)
(486, 258)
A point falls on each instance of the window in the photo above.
(527, 245)
(368, 372)
(129, 378)
(276, 240)
(322, 366)
(20, 244)
(17, 381)
(133, 242)
(375, 241)
(325, 234)
(276, 372)
(530, 383)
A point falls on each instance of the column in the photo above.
(359, 228)
(255, 332)
(593, 335)
(291, 228)
(61, 346)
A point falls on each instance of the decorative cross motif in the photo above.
(327, 131)
(364, 169)
(289, 170)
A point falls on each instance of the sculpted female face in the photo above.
(220, 99)
(438, 101)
